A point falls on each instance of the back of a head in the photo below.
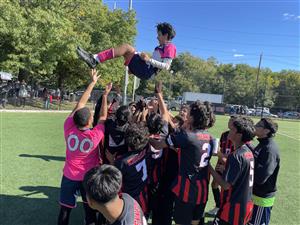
(166, 28)
(202, 114)
(81, 117)
(137, 136)
(271, 125)
(123, 115)
(103, 183)
(154, 123)
(245, 126)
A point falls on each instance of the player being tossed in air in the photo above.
(139, 64)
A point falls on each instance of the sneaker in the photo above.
(87, 57)
(213, 212)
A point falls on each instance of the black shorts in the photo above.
(69, 191)
(140, 68)
(184, 212)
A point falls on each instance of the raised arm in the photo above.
(103, 110)
(162, 107)
(85, 97)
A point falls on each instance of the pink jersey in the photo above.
(164, 51)
(82, 149)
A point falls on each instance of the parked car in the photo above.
(291, 115)
(266, 114)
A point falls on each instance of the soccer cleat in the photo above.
(213, 212)
(87, 57)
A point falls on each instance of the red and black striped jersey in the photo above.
(226, 146)
(135, 177)
(194, 153)
(236, 204)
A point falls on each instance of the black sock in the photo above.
(216, 193)
(90, 214)
(64, 215)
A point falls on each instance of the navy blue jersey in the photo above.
(131, 213)
(236, 204)
(194, 153)
(135, 176)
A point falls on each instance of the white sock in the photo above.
(96, 57)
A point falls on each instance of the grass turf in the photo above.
(32, 158)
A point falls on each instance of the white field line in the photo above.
(297, 139)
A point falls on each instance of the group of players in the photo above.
(132, 163)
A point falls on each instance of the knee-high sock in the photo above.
(105, 55)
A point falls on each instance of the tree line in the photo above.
(38, 39)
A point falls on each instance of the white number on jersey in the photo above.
(142, 166)
(81, 144)
(251, 173)
(205, 156)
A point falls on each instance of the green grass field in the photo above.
(32, 157)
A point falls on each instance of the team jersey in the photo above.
(194, 153)
(163, 55)
(226, 146)
(132, 213)
(81, 149)
(135, 177)
(236, 204)
(156, 157)
(114, 137)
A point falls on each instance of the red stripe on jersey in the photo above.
(225, 212)
(249, 211)
(143, 202)
(229, 194)
(186, 190)
(179, 157)
(221, 197)
(176, 189)
(236, 218)
(199, 192)
(205, 191)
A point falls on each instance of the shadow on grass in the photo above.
(28, 209)
(47, 158)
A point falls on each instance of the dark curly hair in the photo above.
(137, 136)
(202, 114)
(166, 28)
(245, 126)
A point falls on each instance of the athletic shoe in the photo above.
(87, 57)
(213, 212)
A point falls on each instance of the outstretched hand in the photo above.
(158, 87)
(108, 88)
(94, 75)
(144, 57)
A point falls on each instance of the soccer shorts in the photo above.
(184, 212)
(140, 68)
(261, 215)
(69, 191)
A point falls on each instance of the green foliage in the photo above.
(40, 37)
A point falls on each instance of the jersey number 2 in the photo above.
(205, 156)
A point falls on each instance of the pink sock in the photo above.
(105, 55)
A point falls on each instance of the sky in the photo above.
(232, 31)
